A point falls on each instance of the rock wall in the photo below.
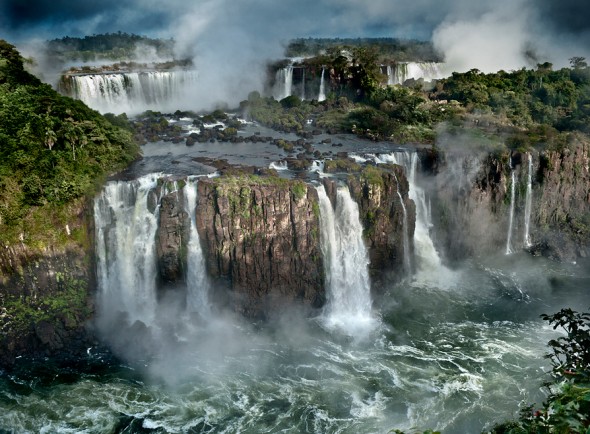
(261, 234)
(172, 238)
(46, 297)
(382, 214)
(472, 198)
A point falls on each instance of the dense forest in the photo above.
(53, 151)
(392, 48)
(108, 46)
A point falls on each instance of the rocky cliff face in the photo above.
(261, 234)
(46, 298)
(473, 200)
(382, 213)
(172, 238)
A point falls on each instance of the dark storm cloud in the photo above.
(231, 39)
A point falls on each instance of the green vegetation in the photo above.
(53, 151)
(66, 303)
(110, 46)
(399, 49)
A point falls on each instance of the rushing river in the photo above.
(456, 356)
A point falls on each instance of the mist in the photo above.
(230, 43)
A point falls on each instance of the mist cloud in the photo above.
(231, 41)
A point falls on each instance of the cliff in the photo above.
(46, 294)
(261, 235)
(473, 198)
(382, 214)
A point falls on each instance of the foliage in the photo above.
(560, 99)
(400, 49)
(53, 149)
(567, 408)
(112, 46)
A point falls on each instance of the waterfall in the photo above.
(406, 237)
(125, 246)
(346, 260)
(511, 215)
(283, 83)
(126, 219)
(390, 76)
(528, 202)
(427, 258)
(130, 92)
(322, 94)
(403, 71)
(197, 281)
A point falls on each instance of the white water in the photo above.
(428, 261)
(317, 166)
(283, 83)
(197, 281)
(126, 252)
(278, 165)
(322, 94)
(528, 202)
(348, 305)
(131, 92)
(402, 71)
(511, 215)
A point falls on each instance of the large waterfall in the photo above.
(125, 247)
(129, 92)
(126, 217)
(196, 279)
(345, 255)
(283, 83)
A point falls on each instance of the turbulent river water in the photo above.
(452, 349)
(456, 357)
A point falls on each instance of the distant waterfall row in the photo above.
(284, 84)
(402, 71)
(126, 219)
(129, 92)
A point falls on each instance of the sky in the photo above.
(234, 36)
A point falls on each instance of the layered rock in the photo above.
(261, 234)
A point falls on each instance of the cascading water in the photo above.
(197, 281)
(345, 255)
(428, 262)
(283, 83)
(130, 92)
(528, 202)
(403, 71)
(322, 94)
(125, 246)
(511, 214)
